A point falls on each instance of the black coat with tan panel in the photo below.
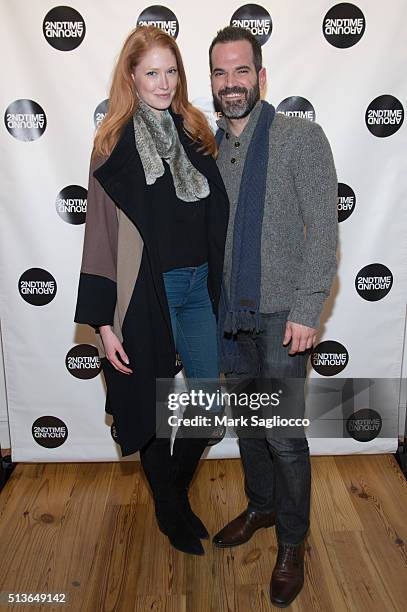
(121, 282)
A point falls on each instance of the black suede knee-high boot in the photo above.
(157, 464)
(186, 455)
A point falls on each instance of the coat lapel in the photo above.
(122, 171)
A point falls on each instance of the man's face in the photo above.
(235, 82)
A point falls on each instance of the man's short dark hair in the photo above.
(232, 34)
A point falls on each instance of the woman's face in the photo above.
(156, 78)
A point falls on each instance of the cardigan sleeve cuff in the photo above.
(307, 309)
(96, 301)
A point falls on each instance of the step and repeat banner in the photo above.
(341, 65)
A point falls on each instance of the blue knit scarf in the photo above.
(239, 307)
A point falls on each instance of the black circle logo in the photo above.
(346, 202)
(37, 286)
(344, 25)
(71, 204)
(329, 358)
(25, 120)
(64, 28)
(373, 282)
(160, 17)
(296, 106)
(384, 116)
(254, 18)
(49, 431)
(83, 361)
(364, 425)
(100, 112)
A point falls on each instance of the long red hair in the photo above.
(123, 98)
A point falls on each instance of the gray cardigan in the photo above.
(299, 233)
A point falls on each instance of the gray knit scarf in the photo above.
(157, 139)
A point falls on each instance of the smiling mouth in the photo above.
(232, 96)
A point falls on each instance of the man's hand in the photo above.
(114, 347)
(300, 336)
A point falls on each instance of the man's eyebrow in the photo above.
(236, 68)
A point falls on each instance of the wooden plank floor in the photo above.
(89, 530)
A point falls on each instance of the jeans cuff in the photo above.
(262, 510)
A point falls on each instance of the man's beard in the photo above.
(237, 109)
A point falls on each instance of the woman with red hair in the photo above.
(152, 261)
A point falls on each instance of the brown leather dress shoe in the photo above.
(241, 529)
(288, 574)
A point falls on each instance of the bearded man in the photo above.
(280, 262)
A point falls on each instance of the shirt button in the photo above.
(237, 144)
(233, 160)
(227, 136)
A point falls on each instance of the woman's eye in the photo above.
(173, 71)
(151, 73)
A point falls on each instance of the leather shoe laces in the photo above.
(287, 555)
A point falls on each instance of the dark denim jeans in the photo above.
(277, 470)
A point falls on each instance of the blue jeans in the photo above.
(277, 470)
(193, 321)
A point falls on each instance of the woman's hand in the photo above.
(113, 346)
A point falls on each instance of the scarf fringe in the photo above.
(242, 320)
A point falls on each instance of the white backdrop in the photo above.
(67, 412)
